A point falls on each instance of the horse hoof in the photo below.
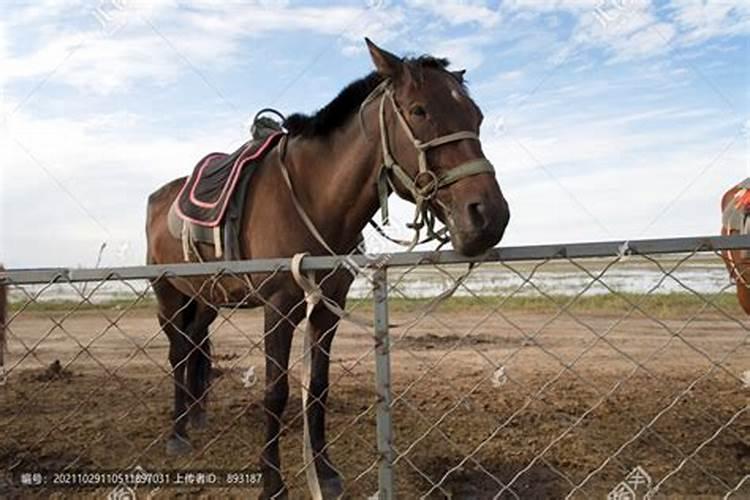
(332, 488)
(199, 420)
(177, 445)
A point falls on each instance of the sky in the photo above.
(605, 119)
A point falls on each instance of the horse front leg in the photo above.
(280, 320)
(324, 324)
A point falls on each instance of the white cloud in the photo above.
(467, 52)
(638, 29)
(97, 172)
(629, 31)
(699, 21)
(208, 36)
(551, 5)
(621, 200)
(605, 150)
(500, 80)
(460, 11)
(579, 146)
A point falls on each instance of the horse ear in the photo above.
(459, 74)
(387, 64)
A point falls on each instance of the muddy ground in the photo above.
(568, 413)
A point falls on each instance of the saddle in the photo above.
(209, 207)
(735, 215)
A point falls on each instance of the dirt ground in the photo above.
(568, 412)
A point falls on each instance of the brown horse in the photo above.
(736, 260)
(411, 115)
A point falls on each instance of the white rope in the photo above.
(312, 298)
(217, 242)
(184, 238)
(301, 211)
(313, 293)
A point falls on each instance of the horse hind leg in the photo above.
(199, 365)
(175, 313)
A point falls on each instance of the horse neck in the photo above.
(334, 178)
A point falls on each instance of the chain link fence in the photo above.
(604, 370)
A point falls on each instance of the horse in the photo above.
(410, 126)
(736, 261)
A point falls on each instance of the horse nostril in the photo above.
(477, 215)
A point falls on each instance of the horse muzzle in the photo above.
(479, 215)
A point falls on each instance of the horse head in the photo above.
(432, 154)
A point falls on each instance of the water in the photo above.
(707, 276)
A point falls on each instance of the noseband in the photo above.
(426, 184)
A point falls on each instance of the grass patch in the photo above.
(662, 305)
(69, 305)
(672, 304)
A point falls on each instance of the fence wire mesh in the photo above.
(565, 375)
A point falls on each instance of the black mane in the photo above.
(337, 112)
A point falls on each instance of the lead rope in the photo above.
(301, 211)
(423, 217)
(313, 296)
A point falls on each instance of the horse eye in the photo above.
(418, 111)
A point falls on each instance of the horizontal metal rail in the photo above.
(400, 259)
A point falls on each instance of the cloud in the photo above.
(460, 12)
(551, 5)
(621, 200)
(700, 21)
(639, 29)
(142, 48)
(97, 172)
(608, 134)
(613, 151)
(467, 52)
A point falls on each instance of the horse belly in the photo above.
(227, 291)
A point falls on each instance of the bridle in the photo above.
(426, 184)
(423, 216)
(423, 187)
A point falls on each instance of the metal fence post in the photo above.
(383, 386)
